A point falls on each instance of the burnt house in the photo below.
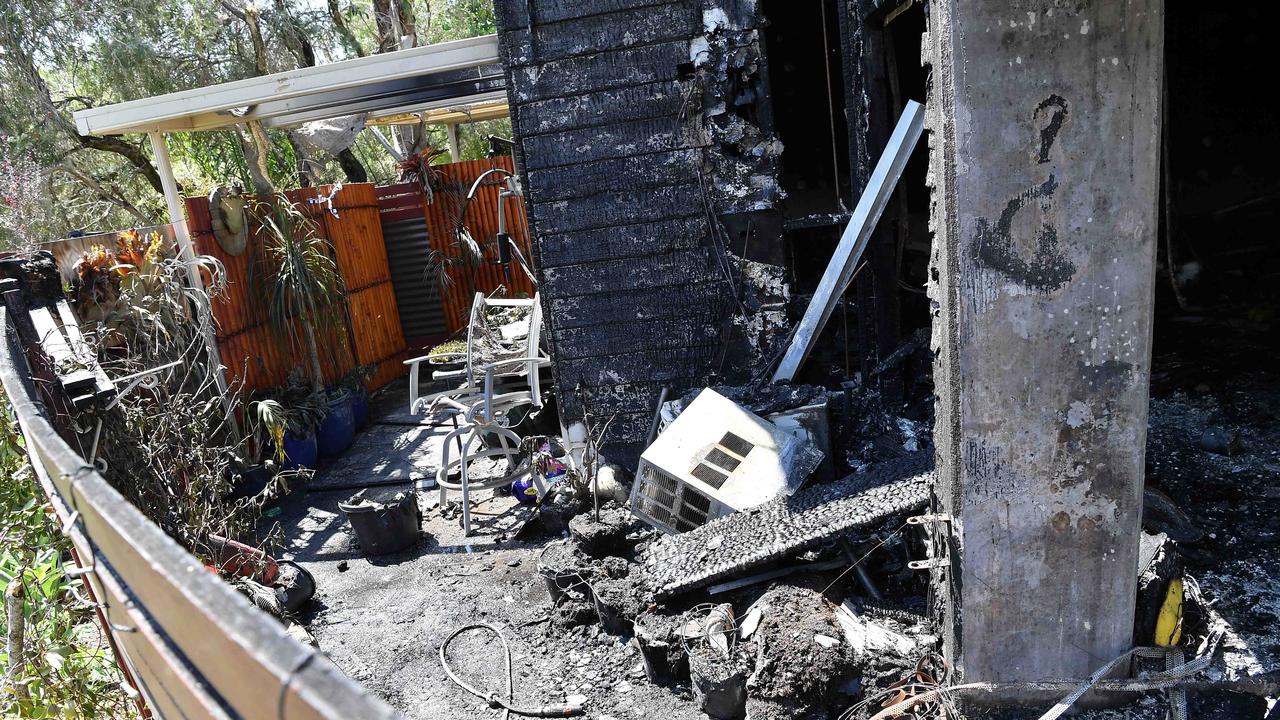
(689, 167)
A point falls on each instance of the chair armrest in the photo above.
(512, 361)
(433, 356)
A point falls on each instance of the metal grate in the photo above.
(736, 445)
(723, 459)
(669, 503)
(709, 475)
(658, 496)
(694, 507)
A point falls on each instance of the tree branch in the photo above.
(344, 30)
(22, 63)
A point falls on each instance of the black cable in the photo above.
(495, 702)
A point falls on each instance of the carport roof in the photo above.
(443, 76)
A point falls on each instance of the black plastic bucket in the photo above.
(555, 573)
(385, 524)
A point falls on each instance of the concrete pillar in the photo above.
(1044, 132)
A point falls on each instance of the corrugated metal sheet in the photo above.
(404, 230)
(481, 220)
(256, 356)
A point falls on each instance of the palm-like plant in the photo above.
(298, 278)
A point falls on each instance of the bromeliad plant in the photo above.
(294, 409)
(298, 279)
(135, 298)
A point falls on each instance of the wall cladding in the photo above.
(638, 123)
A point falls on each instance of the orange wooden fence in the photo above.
(481, 220)
(255, 353)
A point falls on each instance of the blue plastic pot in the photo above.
(360, 407)
(339, 427)
(300, 452)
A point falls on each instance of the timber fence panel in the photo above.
(198, 647)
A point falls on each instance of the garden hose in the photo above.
(495, 702)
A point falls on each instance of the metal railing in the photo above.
(195, 648)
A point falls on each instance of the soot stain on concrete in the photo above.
(1057, 117)
(1047, 269)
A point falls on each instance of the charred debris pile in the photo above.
(815, 601)
(802, 599)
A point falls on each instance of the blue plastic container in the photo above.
(360, 407)
(300, 452)
(339, 427)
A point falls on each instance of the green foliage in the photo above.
(296, 276)
(58, 56)
(473, 138)
(69, 670)
(454, 19)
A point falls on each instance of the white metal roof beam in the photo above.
(396, 95)
(209, 108)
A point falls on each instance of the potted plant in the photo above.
(356, 383)
(301, 285)
(290, 420)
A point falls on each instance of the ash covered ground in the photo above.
(1213, 456)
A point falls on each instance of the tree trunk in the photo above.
(388, 29)
(303, 161)
(15, 642)
(255, 150)
(352, 166)
(408, 22)
(313, 356)
(344, 31)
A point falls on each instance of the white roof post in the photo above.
(451, 132)
(186, 252)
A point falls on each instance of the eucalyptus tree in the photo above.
(59, 56)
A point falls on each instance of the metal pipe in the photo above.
(657, 416)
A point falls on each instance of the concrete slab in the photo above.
(384, 455)
(382, 619)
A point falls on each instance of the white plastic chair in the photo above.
(489, 411)
(470, 374)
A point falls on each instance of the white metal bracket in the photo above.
(929, 518)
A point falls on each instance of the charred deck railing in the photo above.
(195, 648)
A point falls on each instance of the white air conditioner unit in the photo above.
(714, 459)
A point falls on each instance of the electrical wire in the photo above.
(507, 706)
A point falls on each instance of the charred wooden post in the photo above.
(1044, 139)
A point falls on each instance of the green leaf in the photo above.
(55, 657)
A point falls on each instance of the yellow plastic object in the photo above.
(1169, 622)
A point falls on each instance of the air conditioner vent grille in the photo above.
(723, 459)
(709, 475)
(736, 445)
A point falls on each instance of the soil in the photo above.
(792, 667)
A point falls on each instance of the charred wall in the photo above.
(638, 123)
(688, 168)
